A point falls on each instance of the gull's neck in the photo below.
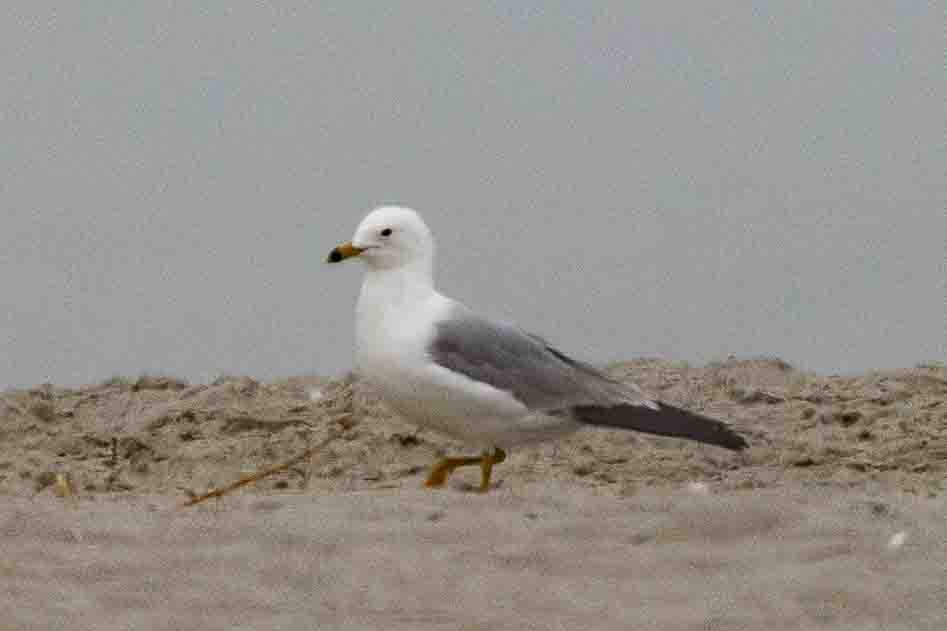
(390, 292)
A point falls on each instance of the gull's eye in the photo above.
(386, 232)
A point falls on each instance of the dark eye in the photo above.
(386, 232)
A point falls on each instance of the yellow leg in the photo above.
(442, 470)
(486, 467)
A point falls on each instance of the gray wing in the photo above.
(509, 359)
(546, 380)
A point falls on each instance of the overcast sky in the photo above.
(681, 180)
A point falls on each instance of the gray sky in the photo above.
(630, 179)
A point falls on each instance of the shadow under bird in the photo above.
(486, 383)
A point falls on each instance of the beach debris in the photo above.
(699, 488)
(259, 475)
(897, 540)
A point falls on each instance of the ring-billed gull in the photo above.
(486, 383)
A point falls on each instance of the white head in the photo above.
(387, 238)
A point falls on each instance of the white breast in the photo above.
(394, 328)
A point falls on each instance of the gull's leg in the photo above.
(446, 466)
(486, 466)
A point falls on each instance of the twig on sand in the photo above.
(259, 475)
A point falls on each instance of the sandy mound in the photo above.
(835, 518)
(160, 435)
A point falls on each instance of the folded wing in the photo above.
(546, 380)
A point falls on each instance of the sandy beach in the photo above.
(835, 518)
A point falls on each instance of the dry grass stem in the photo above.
(259, 475)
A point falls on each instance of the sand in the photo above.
(835, 518)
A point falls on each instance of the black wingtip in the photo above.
(668, 420)
(733, 441)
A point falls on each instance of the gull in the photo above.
(489, 384)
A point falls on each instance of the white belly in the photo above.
(456, 406)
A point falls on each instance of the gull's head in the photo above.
(388, 237)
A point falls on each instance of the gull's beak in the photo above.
(342, 252)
